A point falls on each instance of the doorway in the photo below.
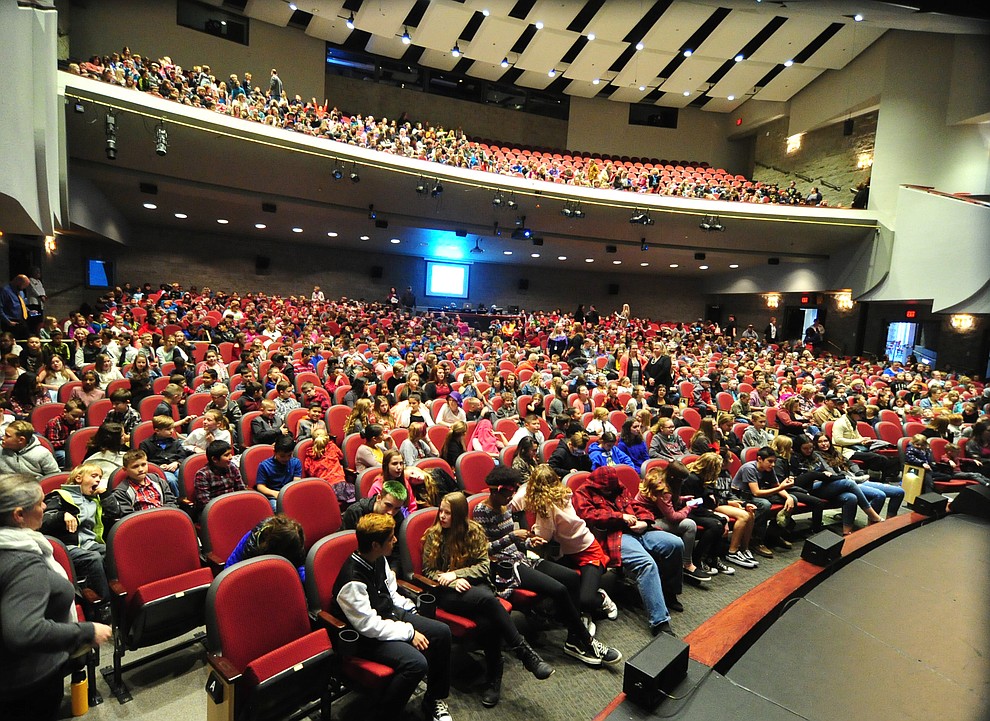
(900, 341)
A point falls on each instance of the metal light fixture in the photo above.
(111, 131)
(350, 21)
(355, 178)
(405, 37)
(773, 300)
(642, 245)
(161, 139)
(497, 199)
(962, 322)
(422, 188)
(477, 246)
(843, 301)
(338, 172)
(437, 190)
(456, 50)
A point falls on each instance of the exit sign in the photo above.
(910, 313)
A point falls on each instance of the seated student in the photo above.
(413, 411)
(393, 634)
(390, 500)
(570, 455)
(26, 395)
(311, 393)
(220, 401)
(281, 468)
(285, 401)
(874, 492)
(123, 413)
(757, 435)
(165, 450)
(208, 379)
(599, 423)
(214, 428)
(527, 457)
(90, 391)
(23, 453)
(429, 486)
(608, 510)
(276, 535)
(138, 491)
(417, 445)
(455, 555)
(371, 452)
(218, 476)
(852, 446)
(58, 429)
(755, 481)
(453, 444)
(631, 442)
(529, 429)
(507, 548)
(174, 406)
(265, 429)
(955, 466)
(666, 443)
(312, 424)
(605, 452)
(797, 492)
(74, 515)
(325, 460)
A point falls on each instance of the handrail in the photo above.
(963, 197)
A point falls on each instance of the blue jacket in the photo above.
(615, 457)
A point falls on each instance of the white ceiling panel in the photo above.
(791, 38)
(495, 7)
(391, 46)
(846, 44)
(676, 100)
(732, 34)
(629, 95)
(537, 81)
(788, 82)
(329, 28)
(721, 105)
(438, 60)
(274, 13)
(643, 67)
(740, 79)
(488, 71)
(678, 23)
(554, 13)
(583, 90)
(494, 39)
(442, 23)
(692, 74)
(615, 19)
(546, 49)
(594, 60)
(383, 18)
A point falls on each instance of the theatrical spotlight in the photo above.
(111, 128)
(643, 245)
(161, 139)
(649, 220)
(711, 224)
(355, 178)
(372, 215)
(497, 200)
(637, 217)
(437, 189)
(421, 187)
(338, 172)
(477, 246)
(511, 202)
(572, 210)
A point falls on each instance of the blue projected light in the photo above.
(449, 252)
(448, 280)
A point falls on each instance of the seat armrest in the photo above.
(328, 620)
(224, 667)
(214, 562)
(424, 581)
(406, 585)
(91, 597)
(117, 589)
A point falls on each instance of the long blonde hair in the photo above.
(457, 542)
(359, 414)
(545, 492)
(663, 480)
(708, 466)
(783, 445)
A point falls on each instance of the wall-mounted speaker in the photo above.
(613, 288)
(262, 264)
(524, 284)
(773, 261)
(377, 271)
(847, 127)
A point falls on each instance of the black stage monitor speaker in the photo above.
(655, 670)
(773, 261)
(524, 284)
(377, 271)
(974, 501)
(822, 549)
(930, 504)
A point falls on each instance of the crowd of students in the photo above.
(270, 104)
(610, 390)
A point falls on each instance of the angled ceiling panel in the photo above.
(732, 34)
(494, 39)
(488, 71)
(787, 83)
(846, 44)
(537, 81)
(438, 60)
(389, 46)
(497, 8)
(583, 89)
(791, 38)
(594, 60)
(740, 79)
(383, 18)
(676, 100)
(546, 49)
(274, 13)
(643, 68)
(675, 26)
(441, 25)
(721, 105)
(614, 20)
(629, 95)
(554, 13)
(329, 28)
(692, 74)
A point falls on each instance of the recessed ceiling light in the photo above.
(739, 58)
(702, 267)
(673, 265)
(181, 216)
(643, 265)
(733, 265)
(364, 237)
(486, 12)
(297, 230)
(788, 63)
(596, 81)
(561, 257)
(640, 46)
(857, 17)
(222, 221)
(642, 88)
(260, 226)
(534, 255)
(151, 206)
(591, 36)
(506, 252)
(395, 241)
(688, 53)
(687, 93)
(589, 260)
(732, 97)
(616, 262)
(552, 73)
(331, 234)
(538, 24)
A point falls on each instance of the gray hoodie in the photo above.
(33, 460)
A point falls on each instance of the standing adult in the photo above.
(409, 299)
(729, 329)
(39, 630)
(36, 297)
(13, 307)
(275, 86)
(771, 333)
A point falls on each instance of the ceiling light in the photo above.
(111, 132)
(350, 22)
(293, 7)
(552, 73)
(788, 63)
(497, 200)
(702, 267)
(589, 260)
(638, 216)
(338, 172)
(687, 93)
(222, 221)
(260, 226)
(640, 46)
(455, 51)
(181, 216)
(858, 18)
(506, 252)
(372, 215)
(561, 257)
(161, 139)
(642, 88)
(731, 97)
(486, 12)
(643, 265)
(151, 206)
(739, 58)
(596, 81)
(539, 25)
(364, 237)
(437, 190)
(405, 37)
(504, 63)
(616, 262)
(511, 202)
(673, 265)
(534, 255)
(395, 241)
(688, 53)
(331, 234)
(421, 187)
(733, 265)
(355, 178)
(297, 230)
(591, 36)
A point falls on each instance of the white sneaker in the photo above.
(750, 557)
(436, 710)
(589, 624)
(608, 606)
(740, 559)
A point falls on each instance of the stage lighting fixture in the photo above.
(477, 246)
(456, 50)
(578, 213)
(572, 210)
(567, 212)
(161, 139)
(511, 202)
(705, 223)
(437, 189)
(405, 37)
(338, 172)
(111, 130)
(637, 217)
(711, 224)
(355, 178)
(350, 21)
(649, 220)
(421, 187)
(372, 215)
(505, 62)
(497, 200)
(642, 244)
(520, 220)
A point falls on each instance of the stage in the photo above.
(900, 631)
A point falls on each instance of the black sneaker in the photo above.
(436, 710)
(607, 654)
(723, 567)
(584, 652)
(658, 628)
(674, 605)
(697, 574)
(710, 570)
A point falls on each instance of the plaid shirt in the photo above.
(57, 431)
(210, 483)
(146, 496)
(129, 419)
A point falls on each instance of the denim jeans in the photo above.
(847, 492)
(640, 554)
(686, 530)
(762, 521)
(883, 491)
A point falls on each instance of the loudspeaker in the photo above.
(974, 501)
(773, 261)
(847, 127)
(524, 284)
(377, 271)
(537, 241)
(460, 233)
(930, 504)
(613, 288)
(655, 670)
(269, 208)
(381, 223)
(262, 264)
(822, 549)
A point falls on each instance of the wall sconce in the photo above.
(843, 301)
(794, 143)
(962, 322)
(773, 300)
(864, 161)
(50, 247)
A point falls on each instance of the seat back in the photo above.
(651, 464)
(724, 401)
(547, 448)
(247, 437)
(187, 474)
(366, 480)
(576, 479)
(147, 406)
(912, 428)
(438, 435)
(350, 447)
(97, 412)
(335, 419)
(313, 503)
(323, 564)
(226, 519)
(196, 404)
(474, 500)
(890, 432)
(251, 458)
(411, 540)
(65, 390)
(692, 417)
(686, 433)
(142, 432)
(866, 430)
(75, 446)
(617, 419)
(507, 455)
(53, 482)
(428, 463)
(507, 427)
(629, 478)
(42, 415)
(471, 468)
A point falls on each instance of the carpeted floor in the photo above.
(173, 688)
